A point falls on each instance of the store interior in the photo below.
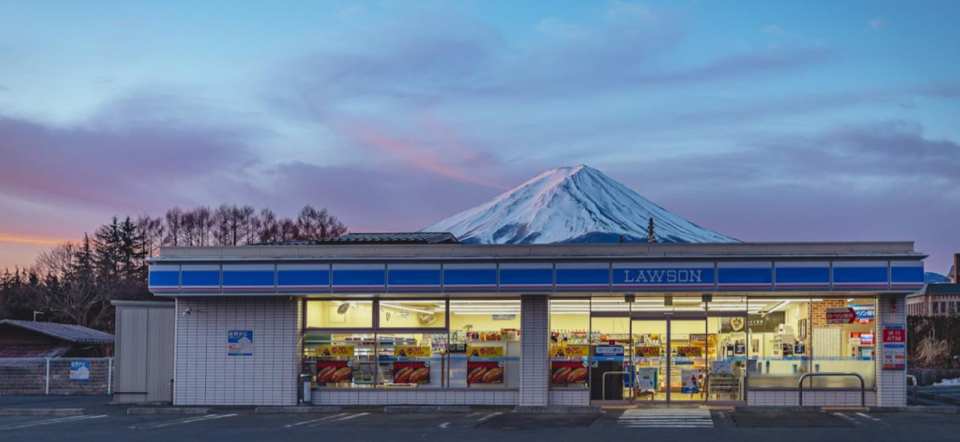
(651, 349)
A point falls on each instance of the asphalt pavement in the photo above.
(104, 422)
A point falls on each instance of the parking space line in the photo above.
(51, 421)
(207, 417)
(350, 417)
(313, 420)
(488, 417)
(865, 415)
(848, 419)
(444, 425)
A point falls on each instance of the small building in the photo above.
(32, 339)
(935, 300)
(407, 321)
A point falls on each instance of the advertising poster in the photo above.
(334, 351)
(411, 372)
(484, 372)
(80, 371)
(646, 379)
(485, 351)
(894, 347)
(647, 352)
(408, 351)
(721, 367)
(570, 351)
(689, 352)
(334, 371)
(568, 372)
(691, 381)
(240, 343)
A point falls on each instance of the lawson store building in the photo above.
(422, 319)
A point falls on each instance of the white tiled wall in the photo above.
(570, 397)
(810, 398)
(416, 397)
(205, 375)
(534, 350)
(891, 384)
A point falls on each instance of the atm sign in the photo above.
(894, 335)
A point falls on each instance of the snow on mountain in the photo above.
(571, 205)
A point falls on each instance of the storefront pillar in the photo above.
(534, 354)
(891, 384)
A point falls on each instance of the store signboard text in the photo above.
(663, 276)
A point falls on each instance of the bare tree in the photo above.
(173, 219)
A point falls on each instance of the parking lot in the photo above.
(104, 422)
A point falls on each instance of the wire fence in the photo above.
(56, 376)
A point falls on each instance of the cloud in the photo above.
(876, 23)
(772, 30)
(137, 154)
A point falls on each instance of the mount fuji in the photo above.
(571, 205)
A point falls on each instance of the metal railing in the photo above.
(912, 389)
(603, 383)
(45, 376)
(863, 385)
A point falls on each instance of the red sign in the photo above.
(894, 335)
(568, 372)
(411, 373)
(484, 372)
(334, 371)
(841, 315)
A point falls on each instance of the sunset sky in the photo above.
(765, 121)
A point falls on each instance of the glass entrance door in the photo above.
(650, 360)
(689, 346)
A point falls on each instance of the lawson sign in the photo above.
(658, 276)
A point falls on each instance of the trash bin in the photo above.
(305, 384)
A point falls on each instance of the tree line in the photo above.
(74, 282)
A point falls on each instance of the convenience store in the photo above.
(540, 325)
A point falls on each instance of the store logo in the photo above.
(736, 323)
(663, 276)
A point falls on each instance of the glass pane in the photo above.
(844, 343)
(610, 346)
(669, 303)
(688, 349)
(727, 359)
(650, 360)
(339, 314)
(569, 343)
(413, 314)
(412, 360)
(485, 343)
(780, 342)
(340, 360)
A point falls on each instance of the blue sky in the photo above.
(789, 121)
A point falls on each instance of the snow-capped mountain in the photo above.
(573, 205)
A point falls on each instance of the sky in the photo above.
(765, 121)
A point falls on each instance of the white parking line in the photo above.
(679, 418)
(313, 420)
(488, 417)
(51, 421)
(848, 419)
(865, 415)
(444, 425)
(350, 417)
(208, 417)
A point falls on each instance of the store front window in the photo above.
(413, 314)
(569, 343)
(485, 343)
(339, 314)
(844, 339)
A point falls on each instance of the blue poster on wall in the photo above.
(240, 343)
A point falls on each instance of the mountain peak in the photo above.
(570, 204)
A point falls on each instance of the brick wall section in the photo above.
(534, 350)
(570, 396)
(205, 375)
(891, 384)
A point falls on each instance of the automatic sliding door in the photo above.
(650, 360)
(689, 343)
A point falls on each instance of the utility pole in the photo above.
(651, 235)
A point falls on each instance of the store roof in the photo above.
(380, 238)
(67, 332)
(938, 289)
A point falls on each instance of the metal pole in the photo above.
(110, 376)
(46, 389)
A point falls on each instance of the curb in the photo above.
(168, 410)
(770, 410)
(939, 398)
(43, 412)
(557, 409)
(916, 409)
(426, 409)
(297, 410)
